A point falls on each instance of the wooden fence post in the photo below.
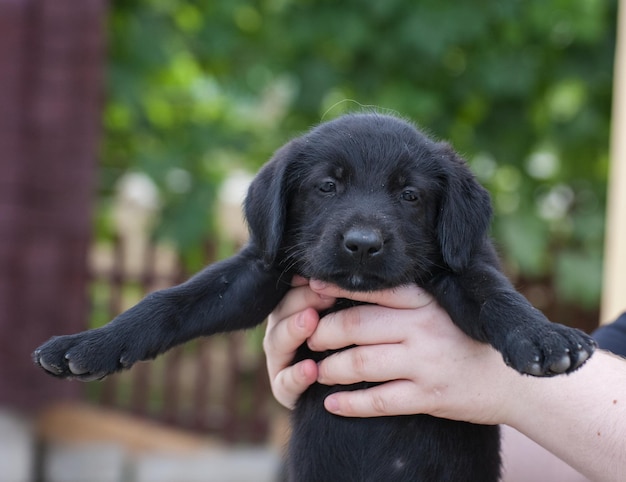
(51, 63)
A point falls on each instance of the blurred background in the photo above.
(130, 128)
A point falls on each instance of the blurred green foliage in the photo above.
(522, 88)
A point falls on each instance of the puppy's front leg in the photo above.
(484, 304)
(236, 293)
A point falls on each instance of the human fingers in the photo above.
(404, 297)
(396, 397)
(374, 363)
(473, 385)
(290, 382)
(284, 336)
(369, 325)
(291, 323)
(298, 299)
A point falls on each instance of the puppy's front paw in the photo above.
(86, 356)
(549, 350)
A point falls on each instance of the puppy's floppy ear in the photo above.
(265, 206)
(465, 211)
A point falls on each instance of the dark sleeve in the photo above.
(612, 337)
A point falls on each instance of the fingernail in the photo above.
(300, 322)
(332, 404)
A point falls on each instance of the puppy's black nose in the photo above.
(363, 242)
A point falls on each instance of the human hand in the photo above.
(291, 323)
(408, 342)
(427, 365)
(404, 339)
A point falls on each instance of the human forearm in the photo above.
(581, 417)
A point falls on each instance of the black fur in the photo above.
(366, 202)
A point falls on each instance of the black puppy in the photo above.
(366, 202)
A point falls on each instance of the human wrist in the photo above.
(532, 399)
(584, 409)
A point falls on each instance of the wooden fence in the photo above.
(214, 385)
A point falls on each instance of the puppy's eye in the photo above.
(328, 187)
(409, 195)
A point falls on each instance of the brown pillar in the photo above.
(51, 63)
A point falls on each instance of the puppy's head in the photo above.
(367, 202)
